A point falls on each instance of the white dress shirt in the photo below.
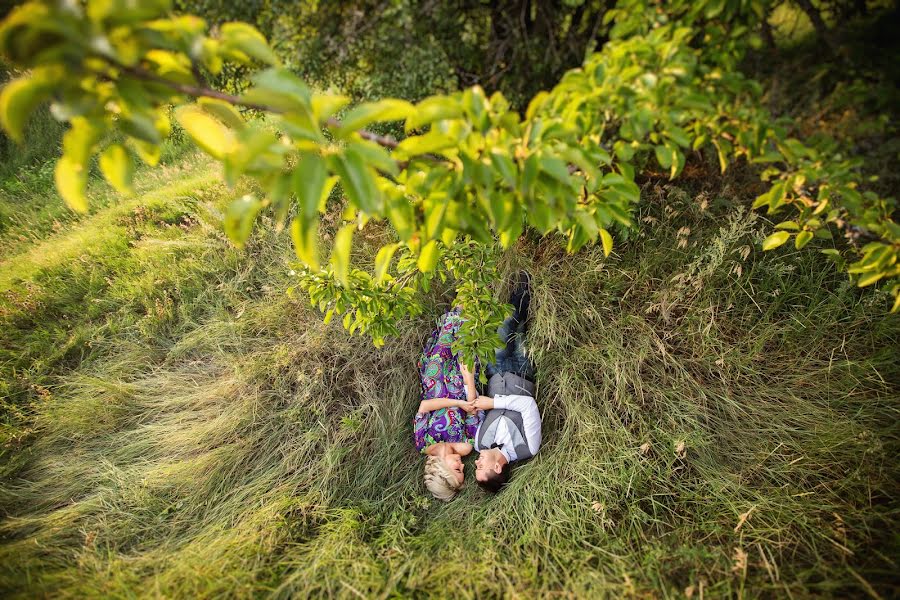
(531, 422)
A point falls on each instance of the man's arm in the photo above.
(531, 418)
(439, 403)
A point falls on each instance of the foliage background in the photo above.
(716, 419)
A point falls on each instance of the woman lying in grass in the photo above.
(447, 420)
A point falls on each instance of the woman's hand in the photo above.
(468, 406)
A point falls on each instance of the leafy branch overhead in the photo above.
(469, 171)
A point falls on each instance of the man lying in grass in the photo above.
(447, 420)
(511, 430)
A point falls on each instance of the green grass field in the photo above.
(716, 419)
(718, 422)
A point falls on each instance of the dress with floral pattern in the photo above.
(441, 378)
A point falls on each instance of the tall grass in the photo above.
(716, 421)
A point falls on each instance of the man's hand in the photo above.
(468, 406)
(483, 403)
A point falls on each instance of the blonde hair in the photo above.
(440, 480)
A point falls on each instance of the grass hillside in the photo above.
(717, 421)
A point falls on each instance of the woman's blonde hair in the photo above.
(440, 480)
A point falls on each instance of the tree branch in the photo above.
(204, 92)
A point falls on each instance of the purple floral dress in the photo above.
(441, 378)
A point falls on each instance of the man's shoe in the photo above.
(521, 297)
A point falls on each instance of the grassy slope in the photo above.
(177, 425)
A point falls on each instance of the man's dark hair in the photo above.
(495, 481)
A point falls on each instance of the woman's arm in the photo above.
(439, 403)
(469, 380)
(462, 448)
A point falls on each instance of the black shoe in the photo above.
(521, 297)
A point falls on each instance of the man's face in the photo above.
(487, 463)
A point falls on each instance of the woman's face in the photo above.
(455, 464)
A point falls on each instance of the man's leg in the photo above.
(511, 358)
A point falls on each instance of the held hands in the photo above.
(468, 406)
(483, 403)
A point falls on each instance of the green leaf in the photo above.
(308, 181)
(607, 241)
(436, 209)
(775, 240)
(504, 165)
(149, 153)
(376, 156)
(303, 234)
(80, 139)
(788, 225)
(239, 218)
(240, 38)
(435, 108)
(18, 99)
(722, 150)
(431, 142)
(699, 142)
(213, 138)
(580, 158)
(140, 126)
(282, 90)
(358, 180)
(224, 112)
(802, 239)
(383, 261)
(678, 135)
(279, 196)
(428, 257)
(556, 168)
(663, 156)
(117, 167)
(677, 163)
(71, 181)
(340, 253)
(372, 112)
(324, 107)
(870, 278)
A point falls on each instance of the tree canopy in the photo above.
(469, 174)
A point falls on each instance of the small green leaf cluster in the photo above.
(374, 304)
(824, 193)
